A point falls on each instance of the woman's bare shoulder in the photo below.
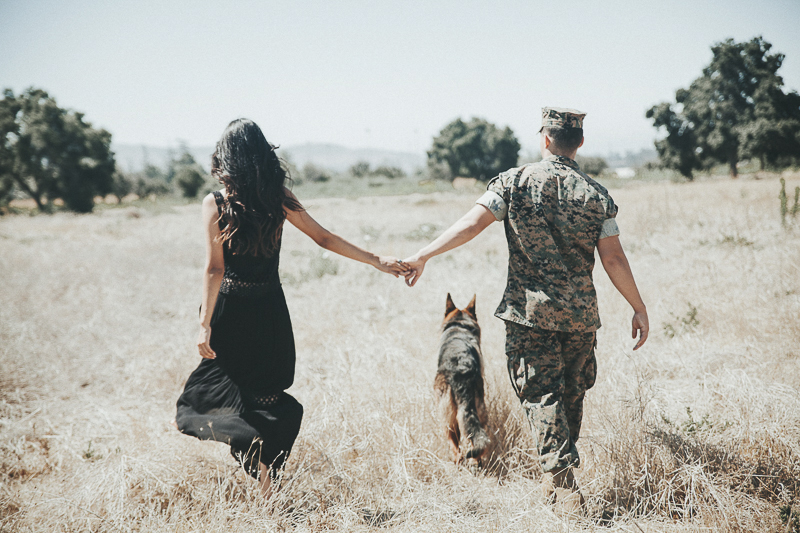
(289, 193)
(294, 203)
(209, 199)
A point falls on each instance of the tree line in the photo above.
(53, 156)
(183, 175)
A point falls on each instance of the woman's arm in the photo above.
(212, 275)
(462, 231)
(330, 241)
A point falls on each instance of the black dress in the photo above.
(238, 398)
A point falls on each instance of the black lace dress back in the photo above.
(239, 398)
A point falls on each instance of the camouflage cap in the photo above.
(558, 117)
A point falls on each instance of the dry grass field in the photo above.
(698, 431)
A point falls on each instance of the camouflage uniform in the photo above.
(554, 214)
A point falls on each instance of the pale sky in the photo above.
(374, 73)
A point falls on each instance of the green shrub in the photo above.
(313, 173)
(389, 172)
(189, 180)
(360, 170)
(593, 166)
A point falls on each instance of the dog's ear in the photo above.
(471, 306)
(449, 306)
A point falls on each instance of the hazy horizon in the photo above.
(373, 74)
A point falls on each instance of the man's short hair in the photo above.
(564, 139)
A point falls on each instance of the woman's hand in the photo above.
(203, 343)
(415, 267)
(391, 265)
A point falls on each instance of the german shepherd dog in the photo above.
(459, 383)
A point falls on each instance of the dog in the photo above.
(459, 383)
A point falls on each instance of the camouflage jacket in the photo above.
(554, 214)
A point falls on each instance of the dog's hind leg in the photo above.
(469, 419)
(453, 433)
(449, 411)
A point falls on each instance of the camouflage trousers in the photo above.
(551, 372)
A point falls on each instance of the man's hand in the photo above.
(416, 266)
(641, 325)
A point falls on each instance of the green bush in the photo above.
(151, 180)
(189, 180)
(360, 170)
(389, 172)
(594, 166)
(313, 173)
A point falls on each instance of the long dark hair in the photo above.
(253, 210)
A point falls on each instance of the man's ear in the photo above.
(547, 140)
(581, 144)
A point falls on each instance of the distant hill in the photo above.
(133, 158)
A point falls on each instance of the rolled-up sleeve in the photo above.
(496, 197)
(494, 203)
(609, 228)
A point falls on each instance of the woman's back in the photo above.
(246, 274)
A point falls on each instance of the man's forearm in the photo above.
(619, 272)
(462, 231)
(456, 235)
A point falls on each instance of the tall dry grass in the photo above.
(698, 431)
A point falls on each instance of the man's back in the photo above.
(555, 215)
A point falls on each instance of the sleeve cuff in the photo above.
(610, 228)
(494, 203)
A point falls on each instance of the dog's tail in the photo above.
(469, 420)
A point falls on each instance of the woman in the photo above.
(237, 393)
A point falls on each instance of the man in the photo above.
(554, 216)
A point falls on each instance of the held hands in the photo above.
(410, 269)
(391, 265)
(642, 325)
(415, 267)
(203, 345)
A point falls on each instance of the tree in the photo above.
(360, 169)
(475, 149)
(6, 189)
(122, 185)
(678, 150)
(51, 152)
(736, 109)
(313, 173)
(189, 180)
(592, 165)
(186, 173)
(152, 180)
(774, 135)
(389, 172)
